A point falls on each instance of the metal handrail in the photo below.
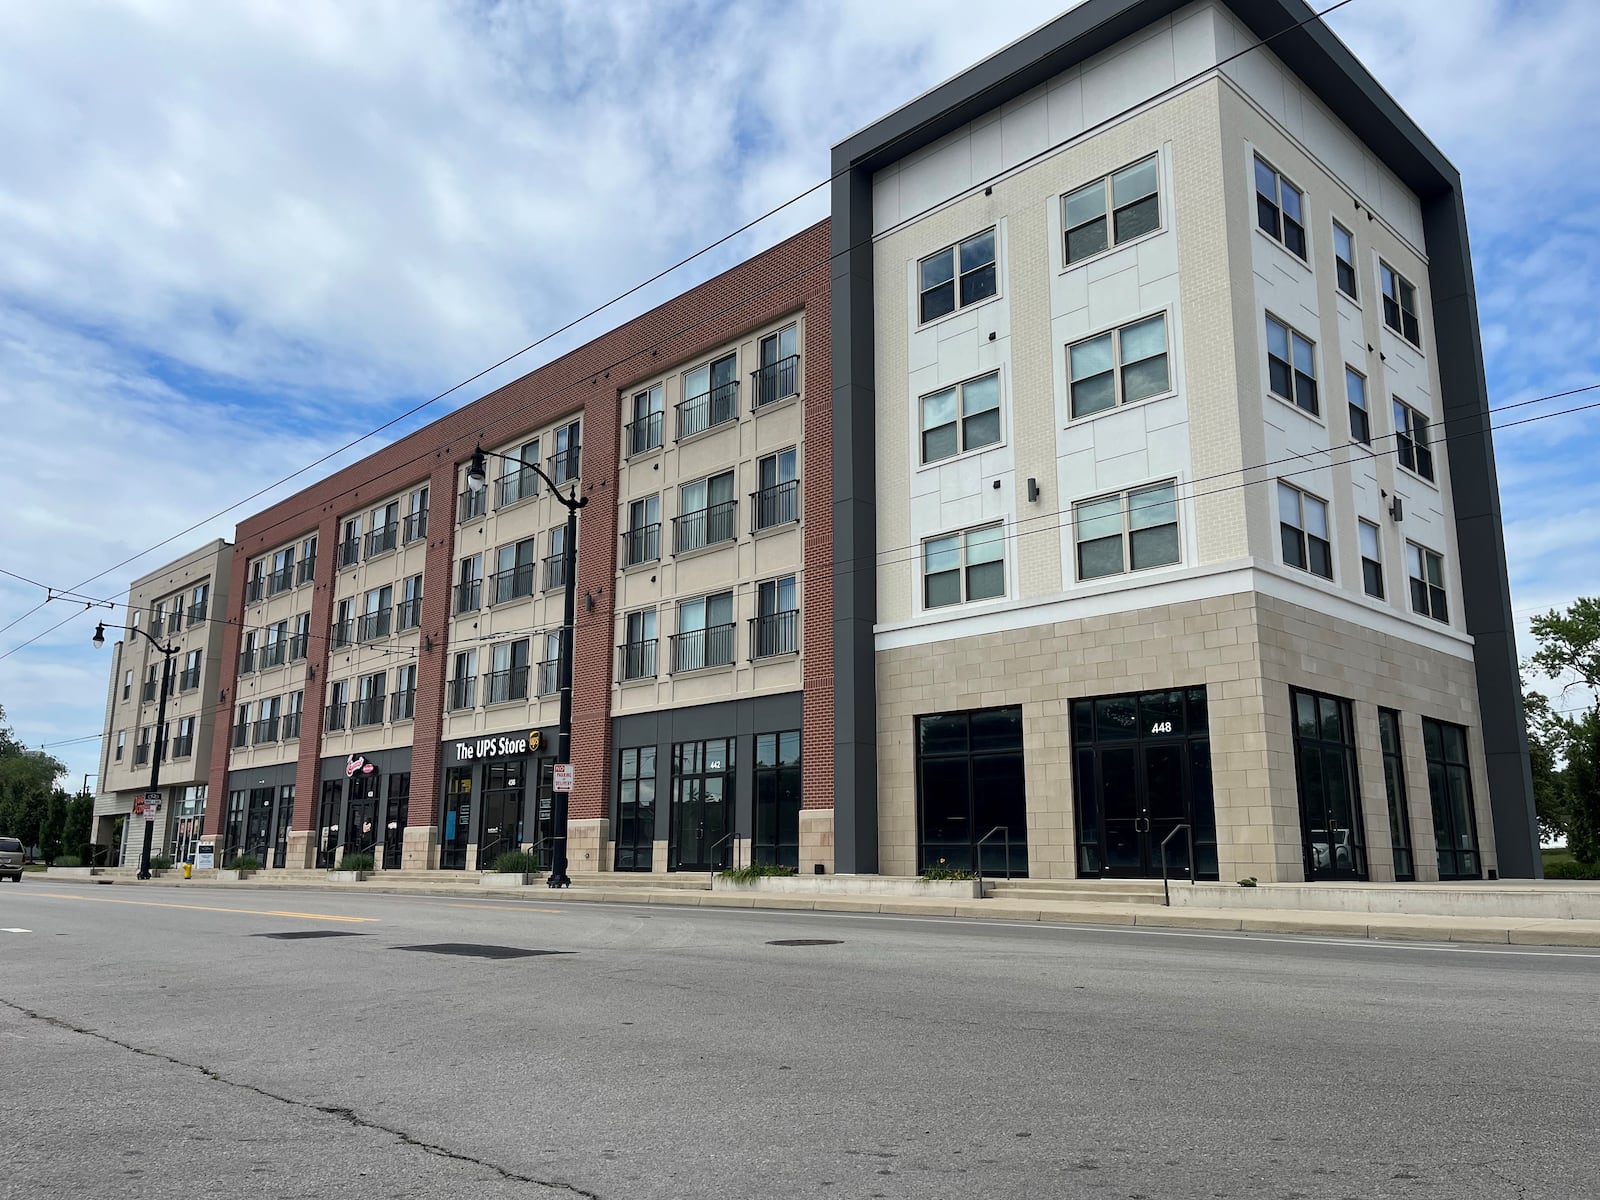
(727, 837)
(1166, 891)
(977, 853)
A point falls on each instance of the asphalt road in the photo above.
(155, 1042)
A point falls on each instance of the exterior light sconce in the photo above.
(1397, 510)
(1033, 490)
(427, 643)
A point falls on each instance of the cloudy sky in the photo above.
(235, 236)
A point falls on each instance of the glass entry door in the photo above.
(394, 820)
(457, 819)
(702, 801)
(258, 825)
(503, 786)
(328, 822)
(361, 822)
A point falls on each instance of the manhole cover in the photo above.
(467, 950)
(807, 942)
(295, 935)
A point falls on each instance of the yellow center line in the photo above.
(506, 908)
(249, 912)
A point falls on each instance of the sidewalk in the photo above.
(1503, 930)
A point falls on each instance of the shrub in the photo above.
(1248, 881)
(940, 871)
(755, 871)
(244, 862)
(355, 862)
(160, 862)
(1569, 869)
(517, 862)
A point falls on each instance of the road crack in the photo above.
(339, 1112)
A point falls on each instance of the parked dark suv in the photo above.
(11, 859)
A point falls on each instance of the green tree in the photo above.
(1569, 653)
(1546, 752)
(52, 826)
(79, 822)
(27, 778)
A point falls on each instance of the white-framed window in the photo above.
(956, 276)
(1426, 570)
(710, 395)
(639, 645)
(705, 633)
(122, 743)
(1118, 208)
(1119, 366)
(958, 568)
(643, 431)
(127, 684)
(642, 538)
(1127, 531)
(1399, 304)
(1303, 525)
(1280, 208)
(1371, 559)
(1355, 391)
(1291, 365)
(961, 418)
(1411, 439)
(1344, 260)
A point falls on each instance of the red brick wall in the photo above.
(590, 382)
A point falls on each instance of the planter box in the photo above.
(347, 876)
(505, 879)
(233, 876)
(854, 885)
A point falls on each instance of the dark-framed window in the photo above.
(1394, 786)
(1425, 569)
(1413, 445)
(636, 809)
(702, 816)
(1455, 823)
(1120, 366)
(1334, 837)
(397, 812)
(1344, 260)
(968, 266)
(1303, 529)
(970, 782)
(1280, 208)
(1371, 559)
(1291, 366)
(777, 832)
(1399, 304)
(1355, 391)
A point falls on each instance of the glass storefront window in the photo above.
(1455, 825)
(970, 783)
(1334, 835)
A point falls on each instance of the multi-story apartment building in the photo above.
(180, 606)
(1161, 378)
(393, 683)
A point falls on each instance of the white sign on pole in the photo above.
(563, 780)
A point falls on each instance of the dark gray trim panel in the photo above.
(386, 761)
(274, 777)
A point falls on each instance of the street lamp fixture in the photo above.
(167, 652)
(477, 480)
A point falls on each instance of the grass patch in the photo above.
(243, 862)
(940, 871)
(757, 871)
(355, 862)
(516, 862)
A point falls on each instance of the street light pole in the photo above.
(167, 653)
(477, 479)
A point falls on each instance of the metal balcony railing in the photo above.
(189, 679)
(700, 413)
(506, 686)
(704, 527)
(265, 731)
(463, 693)
(564, 464)
(777, 504)
(280, 581)
(776, 381)
(148, 692)
(642, 434)
(403, 705)
(513, 583)
(306, 571)
(472, 504)
(408, 615)
(416, 525)
(518, 484)
(197, 615)
(255, 589)
(548, 681)
(336, 717)
(273, 653)
(241, 736)
(775, 633)
(247, 663)
(158, 626)
(383, 539)
(469, 596)
(298, 645)
(349, 553)
(291, 726)
(638, 659)
(183, 747)
(642, 544)
(368, 711)
(141, 754)
(701, 648)
(343, 633)
(555, 572)
(374, 625)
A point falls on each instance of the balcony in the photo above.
(469, 596)
(183, 746)
(298, 645)
(147, 693)
(255, 589)
(564, 464)
(403, 705)
(158, 626)
(374, 625)
(416, 526)
(265, 731)
(555, 572)
(778, 504)
(638, 659)
(291, 726)
(704, 527)
(641, 545)
(520, 484)
(367, 711)
(197, 614)
(247, 661)
(141, 754)
(709, 409)
(776, 381)
(343, 633)
(189, 679)
(642, 435)
(513, 583)
(384, 539)
(463, 693)
(280, 581)
(272, 655)
(548, 681)
(241, 736)
(335, 718)
(773, 634)
(349, 553)
(471, 504)
(306, 571)
(409, 614)
(701, 648)
(506, 686)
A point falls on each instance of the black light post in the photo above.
(167, 653)
(477, 479)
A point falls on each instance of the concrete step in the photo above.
(679, 880)
(1076, 891)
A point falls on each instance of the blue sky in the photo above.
(239, 235)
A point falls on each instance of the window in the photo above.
(1355, 390)
(199, 601)
(282, 577)
(1119, 367)
(241, 732)
(190, 679)
(1412, 444)
(636, 809)
(1427, 582)
(1344, 260)
(1330, 790)
(643, 432)
(122, 743)
(776, 627)
(555, 564)
(1399, 304)
(516, 566)
(777, 805)
(255, 587)
(705, 633)
(350, 543)
(177, 612)
(517, 481)
(1127, 532)
(292, 718)
(508, 672)
(1130, 196)
(1455, 824)
(778, 377)
(1394, 786)
(417, 515)
(710, 396)
(308, 561)
(1291, 366)
(939, 282)
(1280, 209)
(403, 704)
(707, 510)
(472, 502)
(469, 584)
(378, 613)
(778, 500)
(368, 706)
(970, 781)
(962, 567)
(344, 623)
(549, 681)
(1371, 560)
(272, 654)
(564, 462)
(1303, 523)
(247, 656)
(127, 684)
(300, 641)
(266, 727)
(338, 705)
(642, 539)
(411, 603)
(464, 684)
(384, 529)
(702, 809)
(639, 651)
(951, 426)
